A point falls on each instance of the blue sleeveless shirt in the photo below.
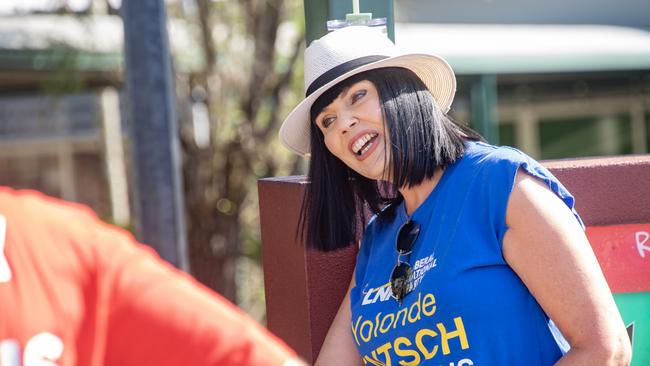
(467, 306)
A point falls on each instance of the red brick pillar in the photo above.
(303, 288)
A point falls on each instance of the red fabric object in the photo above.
(623, 252)
(76, 291)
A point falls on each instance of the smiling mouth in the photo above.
(364, 143)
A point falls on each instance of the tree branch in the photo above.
(282, 82)
(267, 22)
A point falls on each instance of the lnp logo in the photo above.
(381, 293)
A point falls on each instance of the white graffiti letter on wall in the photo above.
(641, 240)
(5, 271)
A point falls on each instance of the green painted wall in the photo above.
(635, 307)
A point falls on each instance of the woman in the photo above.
(478, 246)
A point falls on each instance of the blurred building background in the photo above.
(61, 121)
(59, 80)
(566, 78)
(561, 79)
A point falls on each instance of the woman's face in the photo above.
(353, 130)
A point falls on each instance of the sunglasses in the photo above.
(406, 238)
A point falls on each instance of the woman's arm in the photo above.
(339, 348)
(549, 251)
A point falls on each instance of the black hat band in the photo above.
(339, 70)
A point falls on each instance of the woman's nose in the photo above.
(349, 124)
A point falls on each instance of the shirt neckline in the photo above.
(401, 209)
(430, 198)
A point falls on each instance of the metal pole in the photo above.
(484, 107)
(318, 12)
(316, 17)
(155, 153)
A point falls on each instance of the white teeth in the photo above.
(361, 141)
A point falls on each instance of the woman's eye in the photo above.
(358, 95)
(327, 121)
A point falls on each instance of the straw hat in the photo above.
(349, 51)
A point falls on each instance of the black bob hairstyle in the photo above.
(422, 138)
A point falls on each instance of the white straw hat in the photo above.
(349, 51)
